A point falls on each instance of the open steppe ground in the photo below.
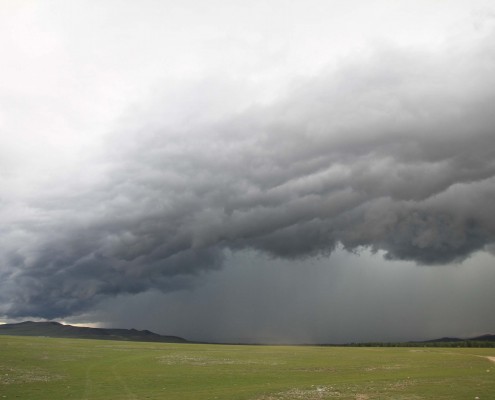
(46, 368)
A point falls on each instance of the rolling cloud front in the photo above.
(391, 152)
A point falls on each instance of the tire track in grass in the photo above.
(119, 382)
(491, 358)
(129, 393)
(88, 383)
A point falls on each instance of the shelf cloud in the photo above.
(392, 151)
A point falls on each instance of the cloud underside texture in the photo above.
(394, 152)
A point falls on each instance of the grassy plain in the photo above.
(45, 368)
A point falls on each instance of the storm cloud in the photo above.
(393, 151)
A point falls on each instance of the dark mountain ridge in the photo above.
(487, 340)
(58, 330)
(482, 338)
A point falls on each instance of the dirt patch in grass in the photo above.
(315, 369)
(394, 390)
(314, 393)
(207, 361)
(10, 375)
(385, 368)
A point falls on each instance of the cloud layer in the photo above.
(394, 151)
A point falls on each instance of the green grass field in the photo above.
(44, 368)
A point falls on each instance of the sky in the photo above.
(265, 171)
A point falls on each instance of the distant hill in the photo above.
(478, 341)
(58, 330)
(483, 338)
(443, 340)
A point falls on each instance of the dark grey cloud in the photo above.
(394, 152)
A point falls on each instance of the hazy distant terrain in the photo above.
(58, 330)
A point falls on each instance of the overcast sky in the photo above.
(277, 171)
